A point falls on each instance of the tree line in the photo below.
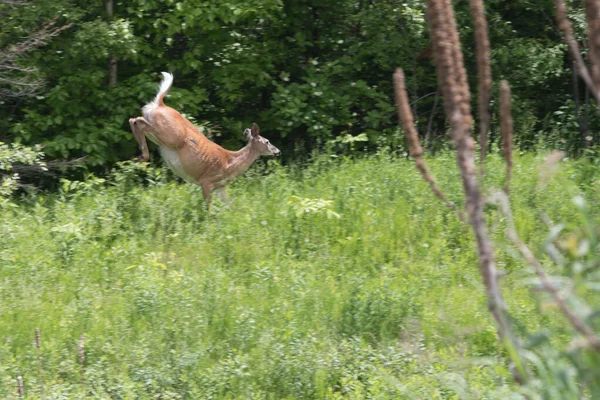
(308, 72)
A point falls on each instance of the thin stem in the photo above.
(38, 345)
(81, 357)
(506, 128)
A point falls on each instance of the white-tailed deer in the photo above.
(188, 152)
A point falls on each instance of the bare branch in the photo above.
(565, 25)
(21, 91)
(506, 128)
(13, 2)
(412, 137)
(18, 82)
(23, 84)
(20, 87)
(484, 72)
(49, 167)
(511, 232)
(16, 68)
(34, 41)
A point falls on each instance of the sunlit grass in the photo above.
(343, 279)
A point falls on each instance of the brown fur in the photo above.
(190, 154)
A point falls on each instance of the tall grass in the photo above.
(343, 279)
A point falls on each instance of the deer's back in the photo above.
(185, 149)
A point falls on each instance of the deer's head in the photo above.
(264, 147)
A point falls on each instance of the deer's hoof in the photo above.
(134, 121)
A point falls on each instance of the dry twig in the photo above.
(13, 2)
(50, 167)
(38, 342)
(506, 129)
(38, 345)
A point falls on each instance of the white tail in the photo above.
(188, 152)
(165, 85)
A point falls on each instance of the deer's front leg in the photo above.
(137, 127)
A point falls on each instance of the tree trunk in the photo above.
(112, 62)
(583, 129)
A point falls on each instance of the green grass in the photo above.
(265, 300)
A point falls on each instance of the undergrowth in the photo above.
(341, 279)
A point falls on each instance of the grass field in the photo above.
(341, 279)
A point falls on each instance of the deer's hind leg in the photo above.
(222, 193)
(206, 193)
(138, 125)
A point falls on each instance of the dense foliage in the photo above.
(346, 279)
(307, 71)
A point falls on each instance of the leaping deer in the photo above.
(188, 152)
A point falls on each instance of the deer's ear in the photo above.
(255, 130)
(247, 133)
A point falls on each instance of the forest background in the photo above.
(308, 72)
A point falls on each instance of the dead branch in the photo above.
(412, 137)
(17, 68)
(13, 2)
(48, 168)
(34, 41)
(506, 129)
(484, 72)
(565, 25)
(511, 232)
(24, 84)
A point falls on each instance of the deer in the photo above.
(190, 154)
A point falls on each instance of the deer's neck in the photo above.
(242, 159)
